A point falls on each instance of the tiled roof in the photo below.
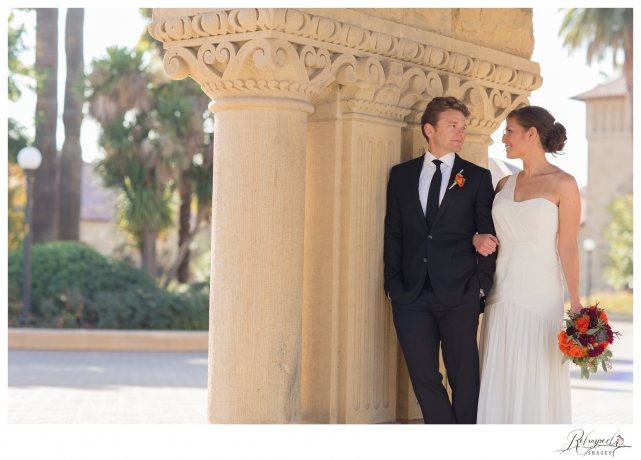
(96, 202)
(616, 88)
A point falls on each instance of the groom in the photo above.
(433, 275)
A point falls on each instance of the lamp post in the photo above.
(29, 158)
(589, 245)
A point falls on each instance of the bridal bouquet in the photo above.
(585, 340)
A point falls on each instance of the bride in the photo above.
(536, 214)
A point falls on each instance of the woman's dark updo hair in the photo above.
(552, 134)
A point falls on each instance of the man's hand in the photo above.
(485, 244)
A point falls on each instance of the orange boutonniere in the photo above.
(458, 180)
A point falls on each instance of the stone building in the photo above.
(312, 109)
(609, 134)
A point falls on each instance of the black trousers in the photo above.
(421, 327)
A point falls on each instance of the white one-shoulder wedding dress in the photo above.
(522, 379)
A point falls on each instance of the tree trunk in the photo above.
(628, 48)
(184, 230)
(182, 250)
(149, 252)
(45, 193)
(71, 155)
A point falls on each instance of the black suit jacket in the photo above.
(412, 250)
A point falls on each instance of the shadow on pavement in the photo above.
(106, 370)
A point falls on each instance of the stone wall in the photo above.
(609, 133)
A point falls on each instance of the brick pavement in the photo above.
(107, 387)
(153, 387)
(606, 397)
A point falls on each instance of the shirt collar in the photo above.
(447, 159)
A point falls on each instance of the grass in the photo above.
(612, 302)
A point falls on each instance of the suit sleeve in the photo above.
(393, 240)
(486, 265)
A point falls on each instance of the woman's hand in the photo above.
(485, 244)
(575, 307)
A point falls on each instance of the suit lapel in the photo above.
(416, 176)
(450, 191)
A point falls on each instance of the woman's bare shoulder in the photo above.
(564, 180)
(566, 187)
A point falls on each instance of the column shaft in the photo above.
(368, 340)
(257, 262)
(321, 325)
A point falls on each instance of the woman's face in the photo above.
(515, 138)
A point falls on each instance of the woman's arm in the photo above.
(484, 243)
(569, 221)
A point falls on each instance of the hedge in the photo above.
(74, 286)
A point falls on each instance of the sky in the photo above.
(564, 76)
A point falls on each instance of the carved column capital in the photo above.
(288, 53)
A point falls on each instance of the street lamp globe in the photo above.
(29, 158)
(589, 244)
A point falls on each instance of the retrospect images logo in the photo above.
(591, 444)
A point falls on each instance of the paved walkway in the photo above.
(606, 397)
(107, 387)
(151, 387)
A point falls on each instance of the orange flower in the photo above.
(564, 343)
(603, 317)
(460, 180)
(582, 324)
(576, 351)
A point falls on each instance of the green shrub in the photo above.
(75, 286)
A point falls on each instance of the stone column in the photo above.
(321, 273)
(371, 146)
(261, 96)
(257, 260)
(413, 143)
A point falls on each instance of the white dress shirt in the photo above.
(427, 173)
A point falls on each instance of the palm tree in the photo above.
(180, 113)
(129, 165)
(136, 161)
(45, 190)
(603, 29)
(191, 102)
(71, 155)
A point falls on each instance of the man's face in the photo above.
(448, 135)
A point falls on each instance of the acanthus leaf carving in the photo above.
(302, 24)
(398, 82)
